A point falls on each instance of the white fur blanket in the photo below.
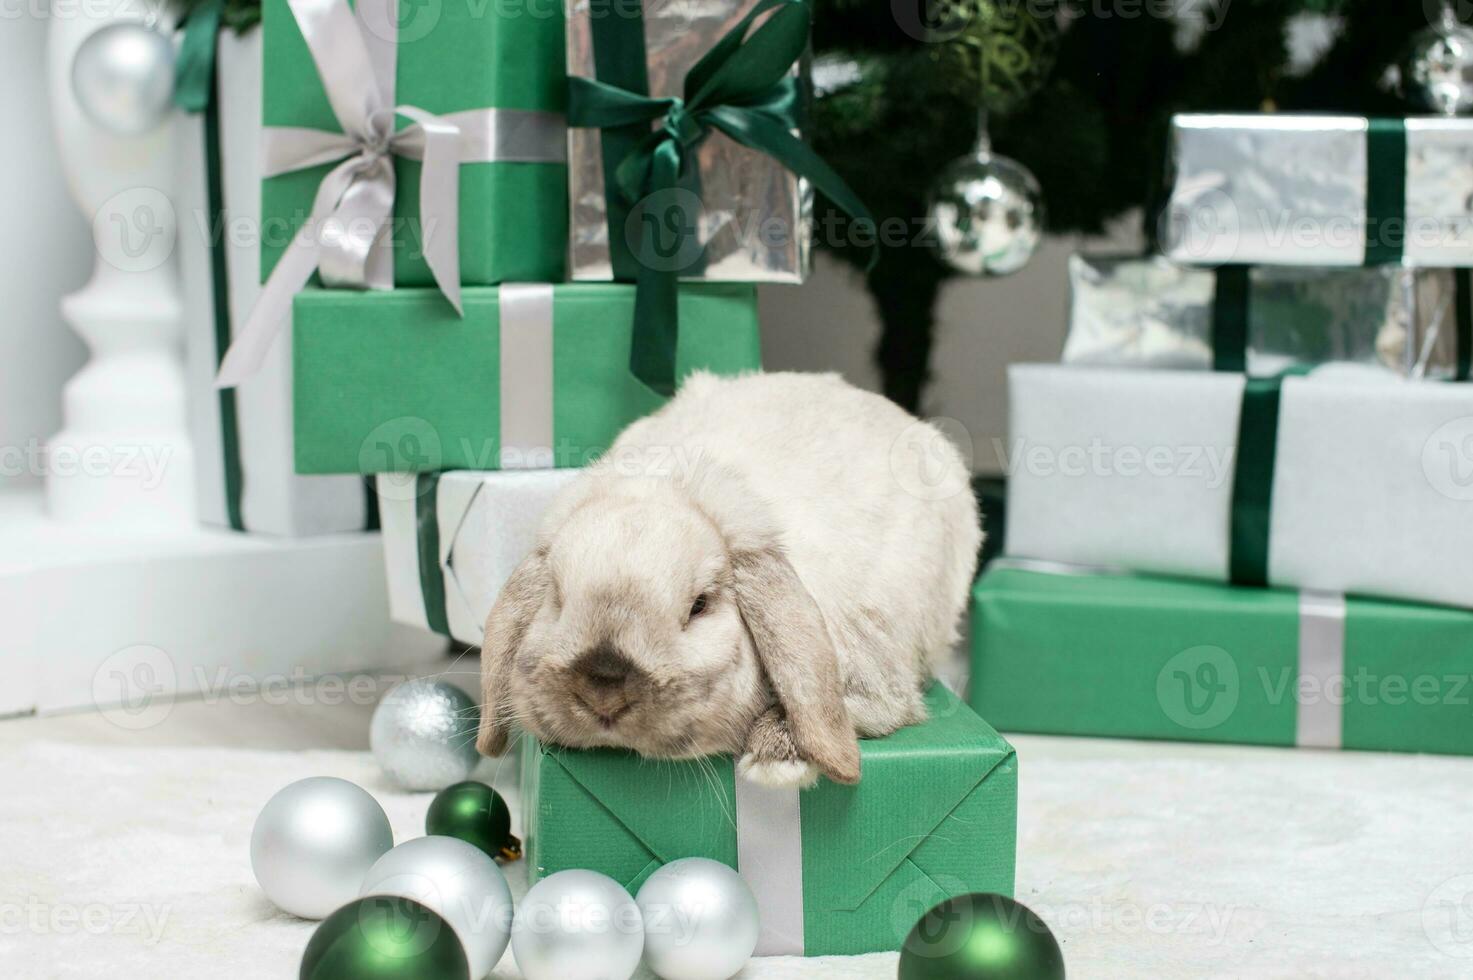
(1147, 859)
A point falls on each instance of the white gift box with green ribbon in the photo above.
(1345, 480)
(245, 474)
(451, 540)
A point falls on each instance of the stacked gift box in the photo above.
(471, 249)
(380, 284)
(1242, 508)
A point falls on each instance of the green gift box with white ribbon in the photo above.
(404, 145)
(1073, 651)
(531, 376)
(496, 74)
(835, 869)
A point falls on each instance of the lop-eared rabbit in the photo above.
(770, 566)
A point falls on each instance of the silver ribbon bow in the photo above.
(356, 55)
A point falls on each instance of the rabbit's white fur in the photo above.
(871, 510)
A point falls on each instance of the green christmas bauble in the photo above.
(476, 814)
(381, 937)
(993, 54)
(981, 937)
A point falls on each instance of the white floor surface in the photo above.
(123, 852)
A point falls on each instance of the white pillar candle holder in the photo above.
(123, 455)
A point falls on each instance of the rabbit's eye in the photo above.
(699, 606)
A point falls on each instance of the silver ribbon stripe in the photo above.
(355, 52)
(1321, 656)
(525, 313)
(770, 857)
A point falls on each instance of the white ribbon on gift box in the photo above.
(517, 496)
(525, 316)
(1319, 722)
(356, 55)
(770, 858)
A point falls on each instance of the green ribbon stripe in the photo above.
(194, 92)
(619, 59)
(743, 88)
(1386, 191)
(1253, 481)
(1258, 430)
(1258, 424)
(1230, 319)
(1463, 321)
(431, 578)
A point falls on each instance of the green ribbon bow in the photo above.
(741, 87)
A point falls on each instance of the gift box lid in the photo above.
(859, 835)
(1022, 581)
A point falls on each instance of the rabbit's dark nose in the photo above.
(604, 666)
(607, 683)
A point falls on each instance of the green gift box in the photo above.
(836, 869)
(448, 58)
(532, 376)
(1133, 656)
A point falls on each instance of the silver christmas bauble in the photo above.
(988, 214)
(460, 883)
(314, 841)
(123, 77)
(424, 734)
(577, 925)
(1437, 72)
(700, 920)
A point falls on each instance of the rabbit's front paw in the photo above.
(771, 758)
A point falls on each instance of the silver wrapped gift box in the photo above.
(1152, 312)
(1288, 189)
(756, 216)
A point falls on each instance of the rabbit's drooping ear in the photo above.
(519, 601)
(793, 645)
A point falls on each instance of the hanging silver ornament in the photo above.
(457, 881)
(987, 211)
(700, 920)
(423, 734)
(314, 841)
(1437, 71)
(123, 77)
(577, 925)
